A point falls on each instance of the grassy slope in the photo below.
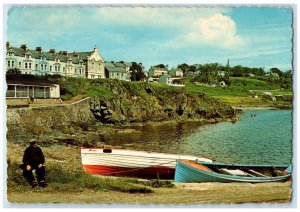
(237, 93)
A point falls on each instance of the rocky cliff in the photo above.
(142, 102)
(117, 102)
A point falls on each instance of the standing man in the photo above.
(34, 159)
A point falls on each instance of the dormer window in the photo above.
(11, 52)
(69, 61)
(27, 55)
(57, 60)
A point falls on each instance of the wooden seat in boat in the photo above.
(196, 165)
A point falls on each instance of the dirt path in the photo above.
(185, 193)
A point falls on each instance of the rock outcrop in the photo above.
(147, 102)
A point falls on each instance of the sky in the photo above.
(248, 36)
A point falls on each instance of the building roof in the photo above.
(120, 65)
(128, 64)
(166, 75)
(108, 64)
(63, 57)
(116, 69)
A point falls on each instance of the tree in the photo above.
(160, 66)
(238, 71)
(137, 73)
(184, 67)
(276, 71)
(192, 68)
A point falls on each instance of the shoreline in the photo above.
(245, 108)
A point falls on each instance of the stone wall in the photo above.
(45, 119)
(27, 101)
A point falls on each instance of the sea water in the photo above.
(259, 137)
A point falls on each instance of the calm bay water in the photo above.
(263, 139)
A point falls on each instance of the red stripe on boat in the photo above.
(160, 172)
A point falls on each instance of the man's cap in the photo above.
(32, 141)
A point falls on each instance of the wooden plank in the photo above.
(255, 172)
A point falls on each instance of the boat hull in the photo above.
(128, 163)
(160, 172)
(186, 173)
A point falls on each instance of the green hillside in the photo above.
(240, 90)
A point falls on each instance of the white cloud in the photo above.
(217, 30)
(158, 16)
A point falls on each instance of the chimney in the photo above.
(7, 45)
(95, 48)
(24, 47)
(52, 51)
(63, 52)
(76, 55)
(38, 49)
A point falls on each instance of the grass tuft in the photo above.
(61, 180)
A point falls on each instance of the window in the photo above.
(30, 65)
(26, 65)
(12, 63)
(8, 63)
(45, 67)
(50, 68)
(19, 64)
(55, 68)
(36, 66)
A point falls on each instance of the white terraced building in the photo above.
(38, 62)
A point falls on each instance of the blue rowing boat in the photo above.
(197, 172)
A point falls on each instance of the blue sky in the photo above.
(248, 36)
